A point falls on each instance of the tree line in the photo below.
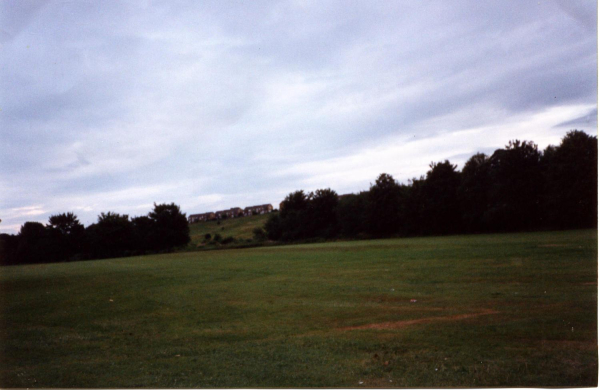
(64, 238)
(517, 188)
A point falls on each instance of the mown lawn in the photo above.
(490, 310)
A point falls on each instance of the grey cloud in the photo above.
(179, 99)
(588, 120)
(583, 12)
(15, 16)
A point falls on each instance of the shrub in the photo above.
(259, 234)
(228, 240)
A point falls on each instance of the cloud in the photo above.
(587, 121)
(407, 158)
(10, 220)
(117, 105)
(25, 211)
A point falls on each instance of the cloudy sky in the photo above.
(114, 105)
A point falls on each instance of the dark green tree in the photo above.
(143, 230)
(293, 217)
(35, 245)
(473, 193)
(516, 187)
(67, 235)
(351, 214)
(273, 227)
(322, 215)
(171, 228)
(9, 244)
(111, 236)
(572, 181)
(414, 206)
(441, 212)
(384, 206)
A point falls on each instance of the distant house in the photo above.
(231, 213)
(260, 209)
(201, 217)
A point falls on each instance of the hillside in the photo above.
(238, 228)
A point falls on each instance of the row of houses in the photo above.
(233, 212)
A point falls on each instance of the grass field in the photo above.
(238, 228)
(490, 310)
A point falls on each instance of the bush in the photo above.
(207, 236)
(228, 240)
(259, 234)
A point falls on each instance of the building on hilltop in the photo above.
(231, 213)
(201, 217)
(236, 212)
(261, 209)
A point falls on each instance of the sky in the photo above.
(115, 105)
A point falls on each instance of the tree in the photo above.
(9, 244)
(321, 213)
(67, 235)
(473, 192)
(293, 218)
(441, 210)
(383, 206)
(34, 245)
(143, 230)
(111, 236)
(351, 214)
(572, 181)
(413, 207)
(170, 229)
(516, 187)
(273, 227)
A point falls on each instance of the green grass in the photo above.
(238, 228)
(491, 310)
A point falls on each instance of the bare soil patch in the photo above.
(402, 324)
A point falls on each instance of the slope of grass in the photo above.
(238, 228)
(489, 310)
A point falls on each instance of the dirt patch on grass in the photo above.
(571, 344)
(427, 320)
